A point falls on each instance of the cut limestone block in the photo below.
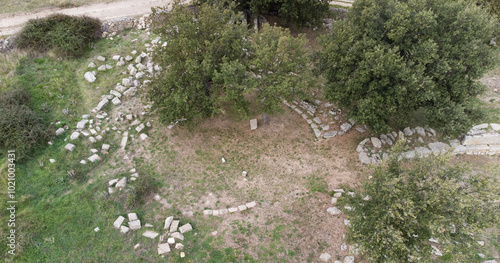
(163, 248)
(185, 228)
(118, 222)
(253, 124)
(134, 225)
(168, 221)
(150, 234)
(70, 147)
(132, 216)
(59, 131)
(174, 226)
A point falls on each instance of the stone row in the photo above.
(225, 211)
(480, 140)
(311, 114)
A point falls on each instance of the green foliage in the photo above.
(68, 36)
(411, 202)
(390, 58)
(290, 11)
(210, 58)
(21, 129)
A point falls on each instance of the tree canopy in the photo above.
(210, 58)
(390, 58)
(406, 203)
(300, 12)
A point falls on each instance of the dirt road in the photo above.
(12, 23)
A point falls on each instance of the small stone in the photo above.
(118, 222)
(232, 209)
(89, 76)
(244, 173)
(140, 127)
(223, 160)
(177, 235)
(81, 124)
(343, 247)
(407, 131)
(91, 65)
(52, 160)
(70, 147)
(325, 257)
(132, 217)
(182, 254)
(105, 146)
(168, 221)
(163, 248)
(116, 101)
(253, 124)
(376, 142)
(179, 246)
(101, 58)
(74, 135)
(94, 158)
(128, 58)
(223, 211)
(349, 259)
(334, 200)
(143, 136)
(134, 225)
(242, 207)
(174, 225)
(59, 131)
(122, 183)
(345, 127)
(96, 229)
(150, 234)
(185, 228)
(251, 204)
(333, 211)
(420, 131)
(124, 229)
(171, 240)
(137, 246)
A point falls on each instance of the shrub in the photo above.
(20, 127)
(68, 36)
(390, 58)
(140, 189)
(405, 203)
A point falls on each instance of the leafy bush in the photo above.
(68, 36)
(20, 127)
(406, 203)
(212, 58)
(390, 58)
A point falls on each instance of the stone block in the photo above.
(325, 257)
(134, 225)
(177, 235)
(116, 101)
(483, 139)
(251, 204)
(132, 217)
(253, 124)
(81, 124)
(94, 158)
(333, 211)
(122, 183)
(124, 229)
(242, 207)
(59, 131)
(74, 135)
(150, 234)
(174, 225)
(163, 248)
(118, 222)
(185, 228)
(168, 221)
(102, 104)
(70, 147)
(345, 127)
(376, 142)
(89, 77)
(143, 136)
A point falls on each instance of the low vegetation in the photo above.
(67, 36)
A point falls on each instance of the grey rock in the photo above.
(70, 147)
(132, 216)
(116, 57)
(251, 204)
(130, 92)
(333, 211)
(118, 222)
(135, 225)
(495, 126)
(124, 229)
(420, 131)
(128, 58)
(363, 157)
(329, 134)
(59, 131)
(150, 234)
(94, 158)
(101, 58)
(409, 154)
(361, 130)
(352, 121)
(163, 248)
(438, 147)
(349, 259)
(92, 65)
(168, 221)
(317, 120)
(242, 207)
(253, 124)
(185, 228)
(432, 131)
(423, 151)
(101, 68)
(126, 82)
(115, 93)
(133, 71)
(102, 104)
(122, 183)
(174, 226)
(116, 101)
(317, 132)
(345, 127)
(89, 76)
(325, 257)
(407, 131)
(376, 142)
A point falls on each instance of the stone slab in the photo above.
(118, 222)
(163, 248)
(185, 228)
(70, 147)
(253, 124)
(174, 225)
(135, 225)
(150, 234)
(168, 221)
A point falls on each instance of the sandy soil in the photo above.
(12, 23)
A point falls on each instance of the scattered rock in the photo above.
(134, 225)
(333, 211)
(89, 76)
(163, 248)
(325, 257)
(150, 234)
(118, 222)
(168, 221)
(70, 147)
(376, 142)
